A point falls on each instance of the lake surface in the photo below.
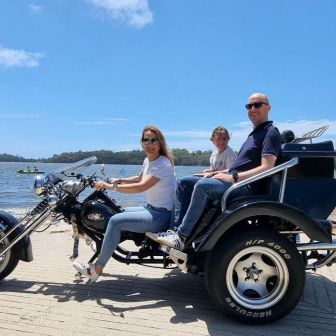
(17, 195)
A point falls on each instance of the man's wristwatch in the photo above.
(235, 177)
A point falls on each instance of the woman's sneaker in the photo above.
(172, 240)
(156, 235)
(86, 269)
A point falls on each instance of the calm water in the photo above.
(17, 195)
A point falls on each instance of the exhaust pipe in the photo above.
(317, 246)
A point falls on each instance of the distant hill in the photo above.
(14, 158)
(182, 157)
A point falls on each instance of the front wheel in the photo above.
(9, 260)
(256, 277)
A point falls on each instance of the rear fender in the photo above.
(23, 248)
(313, 229)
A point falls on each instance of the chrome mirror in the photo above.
(39, 185)
(102, 169)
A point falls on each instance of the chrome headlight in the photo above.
(53, 200)
(40, 185)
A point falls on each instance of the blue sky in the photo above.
(89, 74)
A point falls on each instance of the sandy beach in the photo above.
(44, 298)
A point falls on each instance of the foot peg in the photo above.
(179, 258)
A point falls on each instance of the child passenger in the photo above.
(223, 156)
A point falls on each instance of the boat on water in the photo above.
(29, 171)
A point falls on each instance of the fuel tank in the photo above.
(95, 215)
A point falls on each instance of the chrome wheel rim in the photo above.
(257, 277)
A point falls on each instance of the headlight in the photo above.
(52, 200)
(40, 185)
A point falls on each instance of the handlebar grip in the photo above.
(91, 183)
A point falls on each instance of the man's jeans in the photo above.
(184, 189)
(205, 189)
(191, 198)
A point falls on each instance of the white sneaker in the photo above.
(86, 269)
(156, 235)
(172, 240)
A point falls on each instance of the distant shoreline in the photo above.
(119, 163)
(182, 157)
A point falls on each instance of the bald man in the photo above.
(258, 153)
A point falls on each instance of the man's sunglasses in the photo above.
(257, 105)
(147, 141)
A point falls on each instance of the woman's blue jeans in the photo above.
(134, 219)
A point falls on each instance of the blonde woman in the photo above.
(157, 181)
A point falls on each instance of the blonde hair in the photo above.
(163, 145)
(220, 130)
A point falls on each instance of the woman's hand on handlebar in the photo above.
(101, 185)
(112, 180)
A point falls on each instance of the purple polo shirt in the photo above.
(264, 139)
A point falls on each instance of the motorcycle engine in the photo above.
(95, 215)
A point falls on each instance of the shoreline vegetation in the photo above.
(134, 157)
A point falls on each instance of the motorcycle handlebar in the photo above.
(90, 180)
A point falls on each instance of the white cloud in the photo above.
(19, 58)
(299, 127)
(107, 121)
(199, 139)
(189, 134)
(91, 122)
(136, 13)
(35, 8)
(117, 119)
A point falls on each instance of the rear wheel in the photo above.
(255, 277)
(9, 260)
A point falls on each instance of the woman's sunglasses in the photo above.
(257, 105)
(149, 141)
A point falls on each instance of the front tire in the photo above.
(255, 277)
(9, 260)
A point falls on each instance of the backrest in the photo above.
(316, 159)
(311, 185)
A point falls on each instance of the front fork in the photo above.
(76, 236)
(30, 223)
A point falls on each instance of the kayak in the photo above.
(25, 171)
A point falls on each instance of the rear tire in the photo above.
(9, 260)
(256, 277)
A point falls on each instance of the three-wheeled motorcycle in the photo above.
(248, 248)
